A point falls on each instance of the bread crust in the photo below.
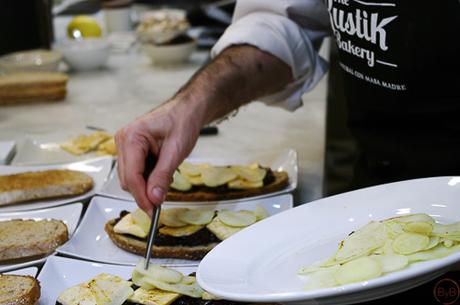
(14, 234)
(11, 296)
(281, 181)
(29, 186)
(139, 247)
(27, 87)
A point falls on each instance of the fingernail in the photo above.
(158, 193)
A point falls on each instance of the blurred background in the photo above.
(28, 24)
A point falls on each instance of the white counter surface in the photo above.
(130, 86)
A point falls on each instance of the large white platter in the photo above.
(98, 169)
(285, 161)
(69, 214)
(60, 273)
(91, 242)
(260, 263)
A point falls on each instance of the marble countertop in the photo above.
(130, 85)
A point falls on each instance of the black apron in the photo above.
(401, 64)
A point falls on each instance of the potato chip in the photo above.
(362, 242)
(241, 218)
(446, 230)
(408, 243)
(216, 176)
(437, 252)
(390, 263)
(180, 183)
(196, 216)
(322, 278)
(420, 227)
(434, 241)
(358, 270)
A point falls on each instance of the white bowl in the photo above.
(169, 54)
(86, 54)
(33, 60)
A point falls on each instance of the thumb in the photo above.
(161, 177)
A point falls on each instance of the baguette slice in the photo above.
(280, 182)
(18, 290)
(24, 239)
(29, 186)
(32, 86)
(140, 247)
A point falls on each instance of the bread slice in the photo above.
(18, 290)
(32, 86)
(46, 184)
(22, 239)
(281, 180)
(140, 247)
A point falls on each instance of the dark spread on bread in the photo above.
(199, 238)
(269, 178)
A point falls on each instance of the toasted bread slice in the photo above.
(18, 290)
(22, 239)
(281, 181)
(29, 186)
(139, 247)
(32, 86)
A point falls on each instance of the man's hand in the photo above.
(170, 134)
(237, 76)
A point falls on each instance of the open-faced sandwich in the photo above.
(25, 240)
(28, 186)
(155, 286)
(204, 182)
(183, 233)
(18, 290)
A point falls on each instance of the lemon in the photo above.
(83, 26)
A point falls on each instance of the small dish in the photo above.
(91, 242)
(33, 60)
(85, 54)
(177, 51)
(69, 214)
(162, 26)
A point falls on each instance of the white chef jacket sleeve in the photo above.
(291, 30)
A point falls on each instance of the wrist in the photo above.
(189, 111)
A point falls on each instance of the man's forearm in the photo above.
(237, 76)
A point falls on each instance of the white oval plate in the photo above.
(98, 169)
(91, 242)
(60, 273)
(285, 161)
(260, 264)
(69, 214)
